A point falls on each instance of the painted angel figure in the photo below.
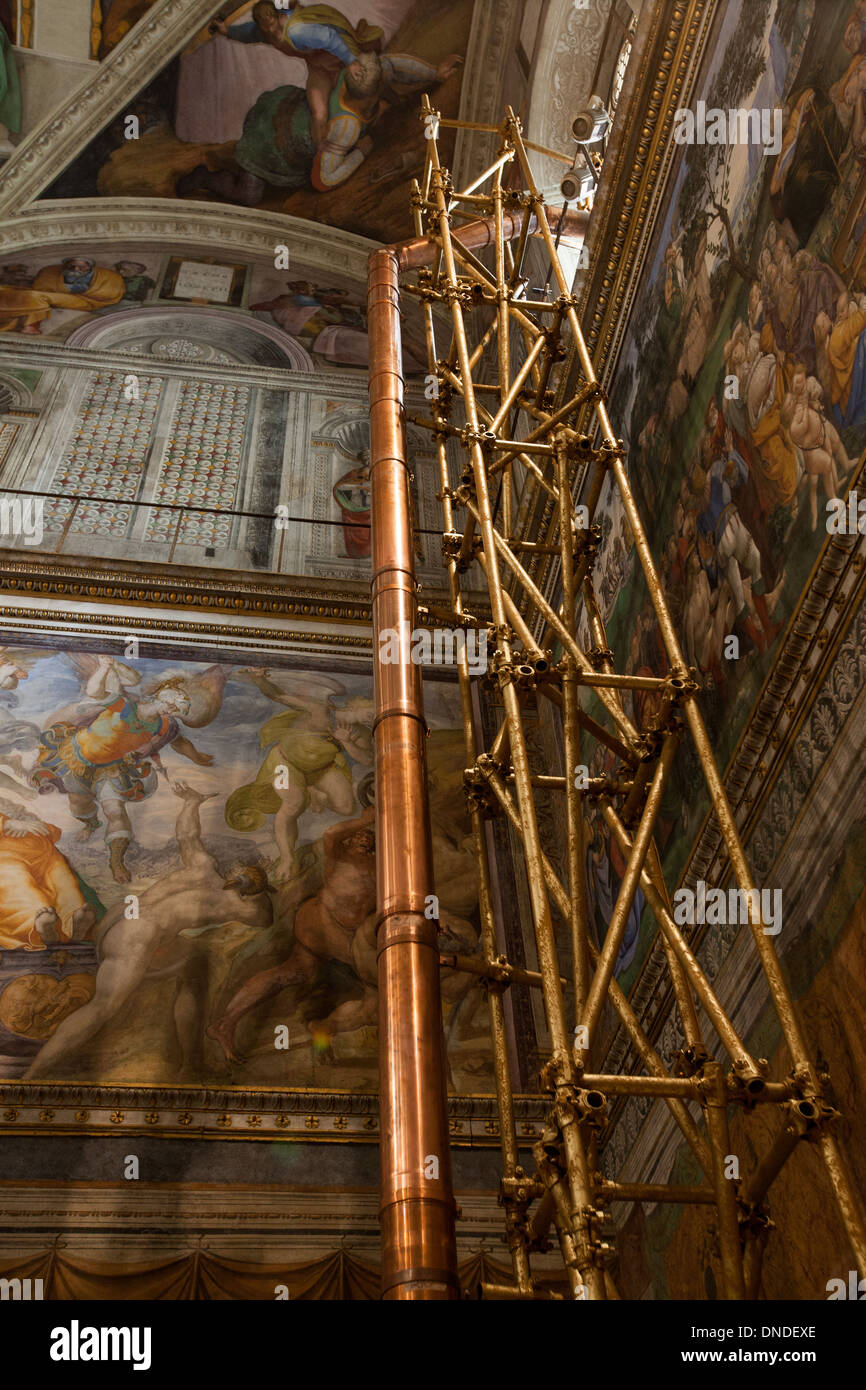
(104, 752)
(16, 735)
(16, 663)
(305, 766)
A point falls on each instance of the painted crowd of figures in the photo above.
(750, 414)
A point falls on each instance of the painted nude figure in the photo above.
(328, 926)
(306, 766)
(815, 436)
(195, 895)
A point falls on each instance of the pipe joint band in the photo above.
(407, 929)
(393, 710)
(423, 1274)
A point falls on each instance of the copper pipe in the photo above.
(419, 1258)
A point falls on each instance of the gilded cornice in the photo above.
(221, 591)
(234, 1112)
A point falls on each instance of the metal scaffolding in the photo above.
(503, 430)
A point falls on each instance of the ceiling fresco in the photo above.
(309, 110)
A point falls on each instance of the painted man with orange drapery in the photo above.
(75, 284)
(41, 900)
(846, 359)
(776, 472)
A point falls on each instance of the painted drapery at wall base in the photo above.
(740, 389)
(310, 110)
(187, 873)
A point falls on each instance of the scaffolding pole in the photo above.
(513, 438)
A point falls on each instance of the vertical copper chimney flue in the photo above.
(417, 1206)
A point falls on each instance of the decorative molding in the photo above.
(233, 1112)
(130, 330)
(95, 624)
(634, 182)
(34, 352)
(235, 230)
(238, 1222)
(492, 39)
(137, 582)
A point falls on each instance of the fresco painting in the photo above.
(306, 109)
(741, 387)
(10, 82)
(118, 17)
(187, 873)
(54, 293)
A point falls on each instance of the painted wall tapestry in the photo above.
(187, 873)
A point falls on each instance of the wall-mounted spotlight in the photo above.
(580, 180)
(592, 124)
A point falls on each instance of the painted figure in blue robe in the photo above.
(319, 34)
